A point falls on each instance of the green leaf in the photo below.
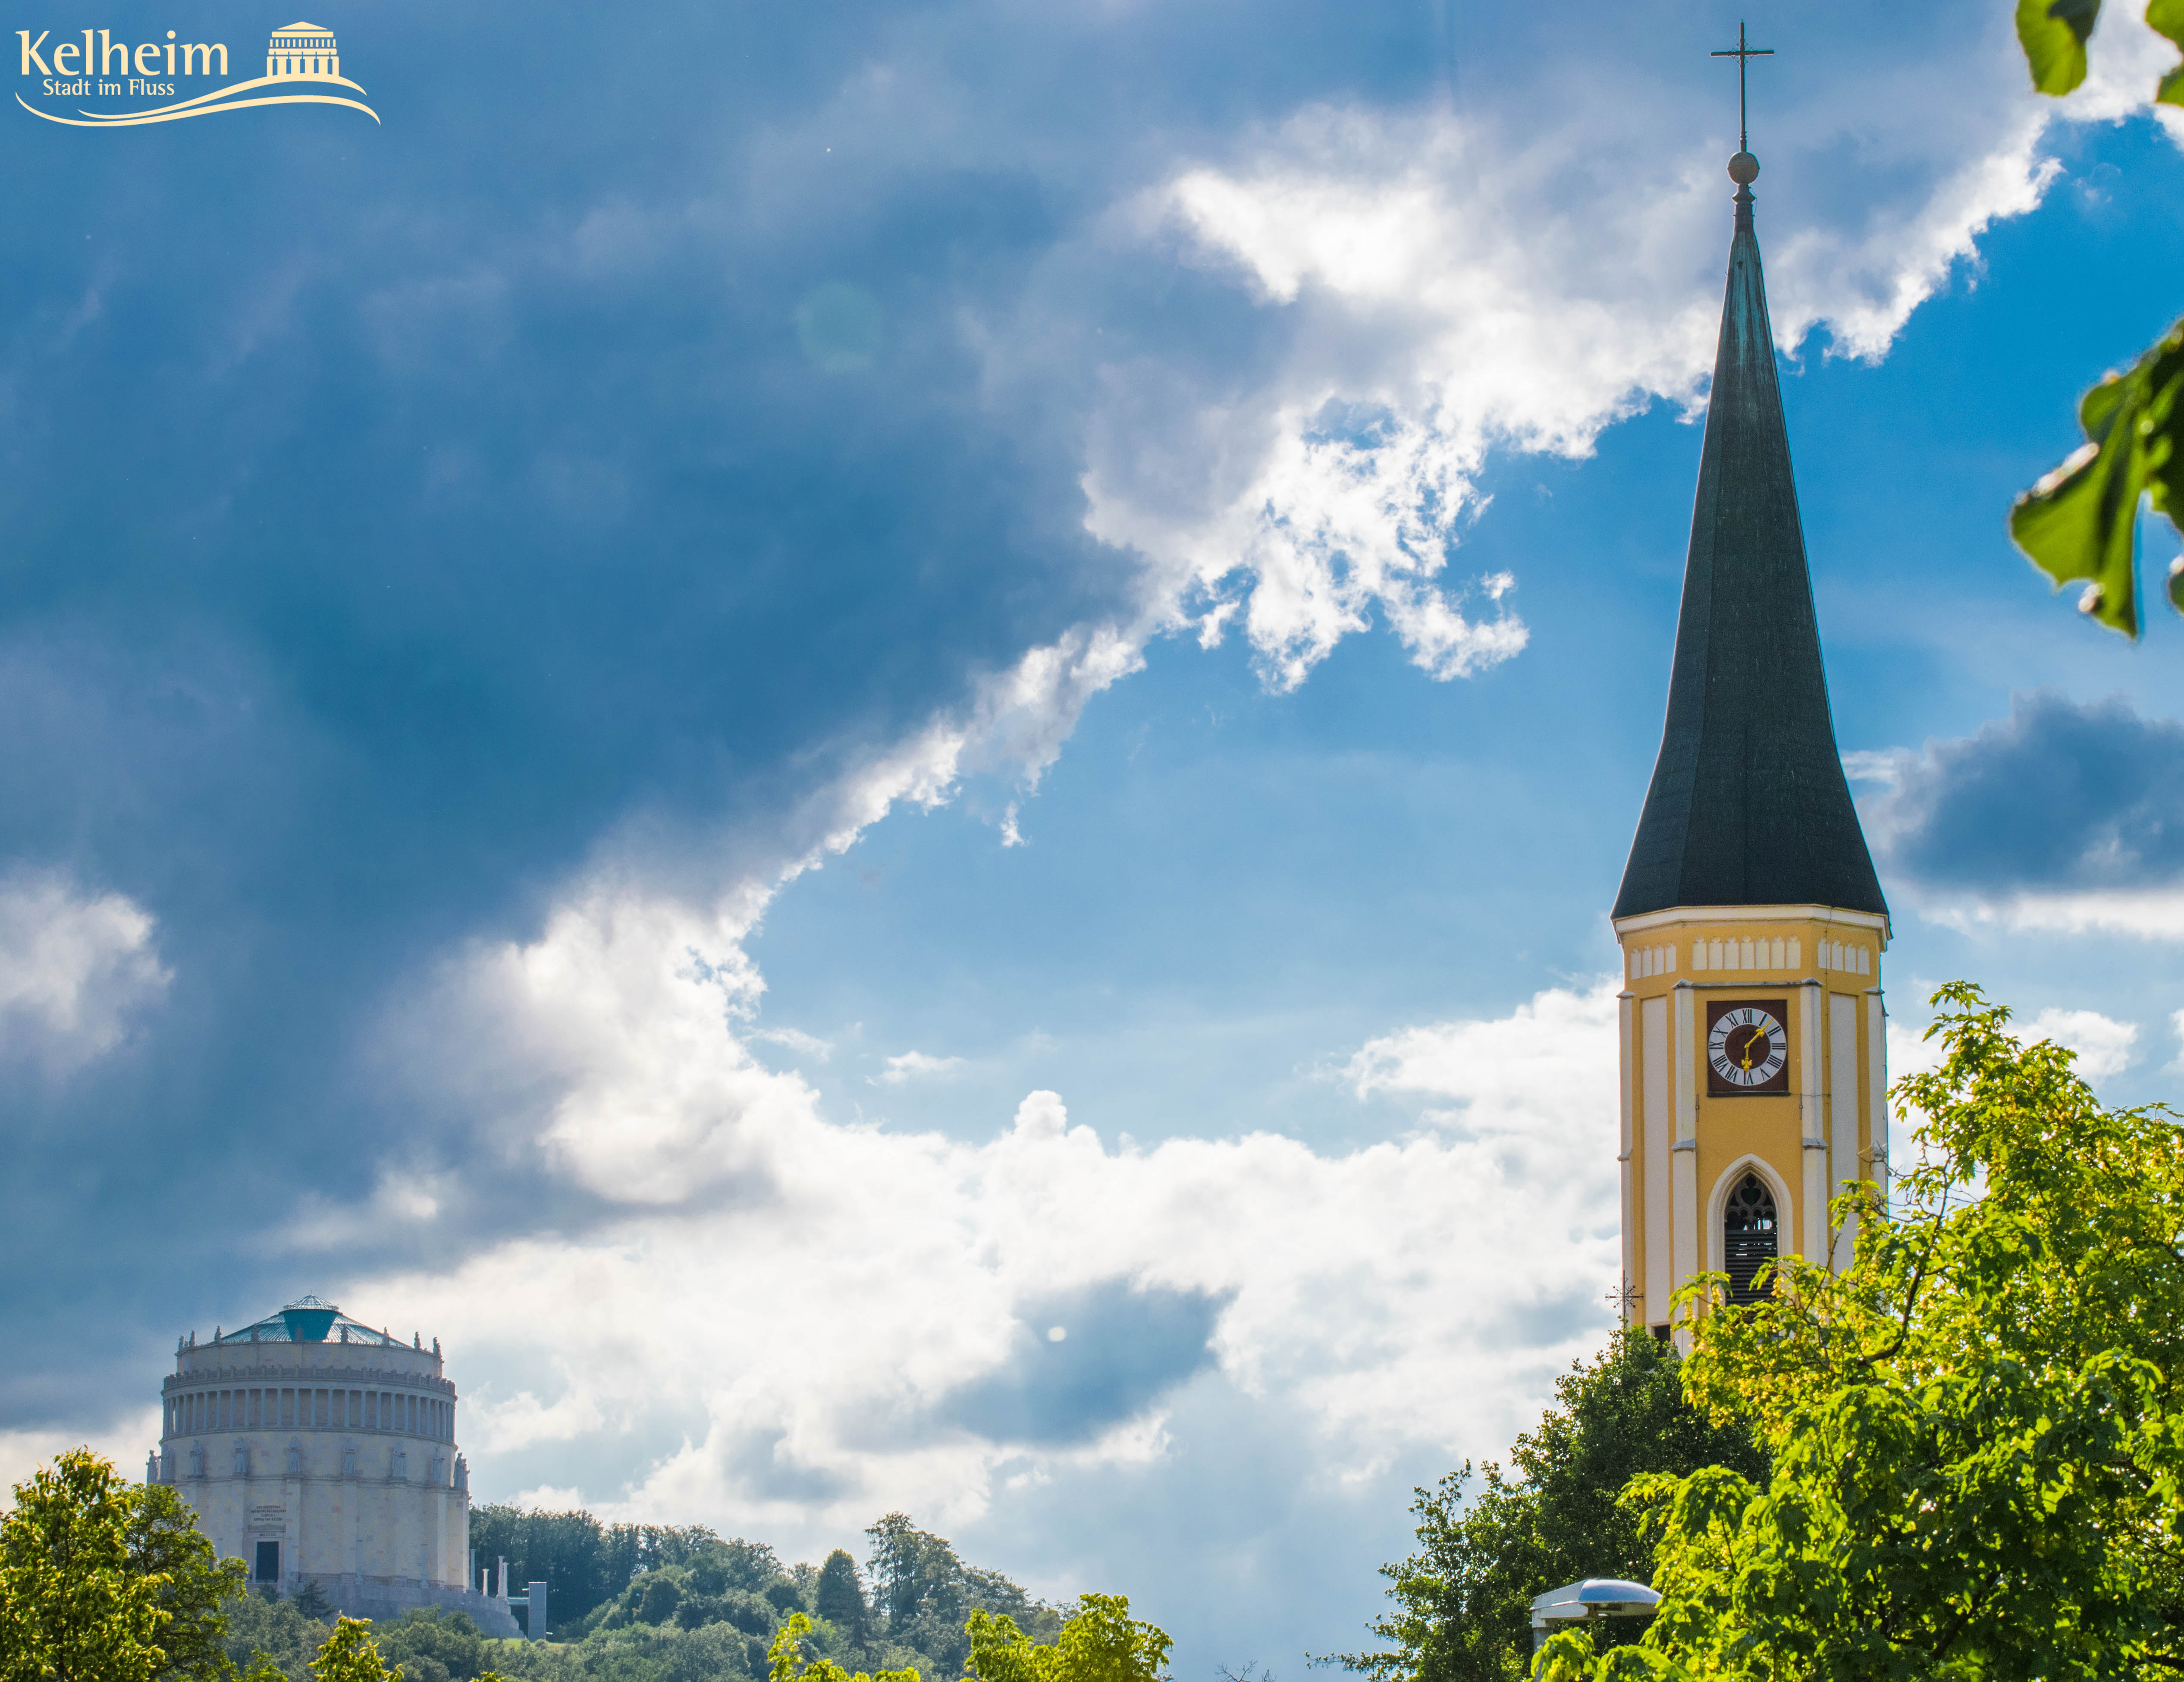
(2054, 43)
(2080, 520)
(2097, 408)
(2166, 17)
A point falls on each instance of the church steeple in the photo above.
(1754, 1041)
(1748, 804)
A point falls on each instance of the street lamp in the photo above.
(1581, 1602)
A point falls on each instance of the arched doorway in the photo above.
(1748, 1236)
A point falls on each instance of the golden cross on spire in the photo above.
(1740, 52)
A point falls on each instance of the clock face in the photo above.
(1748, 1047)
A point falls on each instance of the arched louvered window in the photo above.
(1748, 1240)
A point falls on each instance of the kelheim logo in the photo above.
(303, 67)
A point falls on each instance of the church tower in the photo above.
(1750, 918)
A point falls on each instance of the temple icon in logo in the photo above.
(303, 50)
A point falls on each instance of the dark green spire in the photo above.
(1749, 805)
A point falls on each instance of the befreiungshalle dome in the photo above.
(317, 1449)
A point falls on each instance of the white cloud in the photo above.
(1884, 766)
(76, 970)
(1556, 1053)
(1448, 290)
(1909, 1051)
(2104, 1045)
(1348, 1285)
(913, 1065)
(521, 1421)
(2104, 1048)
(804, 1044)
(1461, 280)
(2155, 913)
(125, 1441)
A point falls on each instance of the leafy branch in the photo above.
(2080, 520)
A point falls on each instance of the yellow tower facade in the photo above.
(1754, 1048)
(1751, 920)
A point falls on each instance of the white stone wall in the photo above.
(344, 1454)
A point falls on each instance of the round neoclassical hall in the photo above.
(317, 1449)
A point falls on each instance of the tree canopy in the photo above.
(1976, 1430)
(350, 1655)
(696, 1605)
(840, 1596)
(783, 1659)
(195, 1585)
(589, 1563)
(1102, 1643)
(1463, 1601)
(71, 1609)
(107, 1580)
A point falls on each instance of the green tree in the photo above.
(589, 1564)
(584, 1562)
(782, 1659)
(1102, 1643)
(432, 1644)
(738, 1564)
(662, 1594)
(106, 1580)
(920, 1587)
(910, 1569)
(840, 1596)
(350, 1655)
(990, 1591)
(1977, 1430)
(1463, 1601)
(195, 1585)
(265, 1629)
(2080, 521)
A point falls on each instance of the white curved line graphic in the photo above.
(199, 107)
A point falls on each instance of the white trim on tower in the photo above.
(1876, 1086)
(1631, 1279)
(1653, 1026)
(1648, 920)
(1812, 1202)
(1683, 1169)
(1843, 1169)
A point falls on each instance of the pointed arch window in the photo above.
(1749, 1236)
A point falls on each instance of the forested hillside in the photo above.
(660, 1603)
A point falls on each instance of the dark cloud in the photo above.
(602, 448)
(1122, 1347)
(2059, 796)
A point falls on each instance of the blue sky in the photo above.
(761, 702)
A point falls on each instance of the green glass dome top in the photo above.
(309, 1321)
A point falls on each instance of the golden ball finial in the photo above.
(1744, 169)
